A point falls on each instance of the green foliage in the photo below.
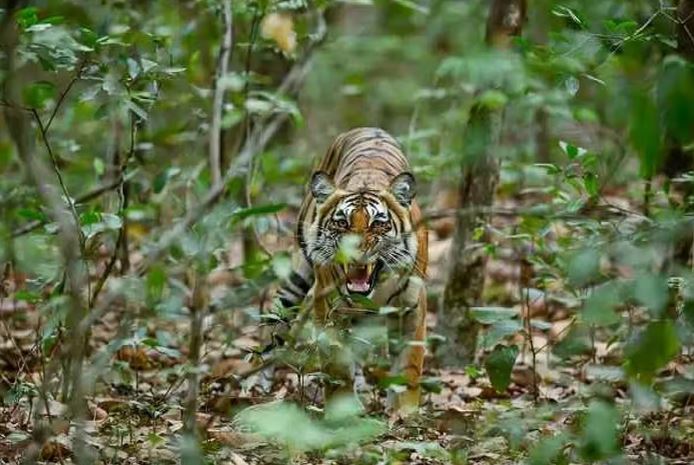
(293, 428)
(499, 364)
(645, 132)
(652, 349)
(593, 100)
(599, 435)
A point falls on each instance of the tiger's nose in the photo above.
(366, 243)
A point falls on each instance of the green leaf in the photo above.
(569, 13)
(156, 280)
(349, 249)
(31, 214)
(431, 384)
(652, 350)
(499, 330)
(155, 440)
(499, 365)
(493, 99)
(571, 150)
(590, 181)
(489, 315)
(652, 292)
(688, 312)
(105, 222)
(675, 94)
(164, 177)
(644, 133)
(600, 432)
(32, 297)
(37, 94)
(365, 302)
(282, 265)
(409, 4)
(388, 310)
(258, 211)
(389, 381)
(548, 450)
(99, 167)
(341, 408)
(576, 342)
(599, 309)
(27, 17)
(288, 425)
(137, 109)
(584, 266)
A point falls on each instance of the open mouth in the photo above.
(361, 279)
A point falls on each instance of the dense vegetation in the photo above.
(153, 156)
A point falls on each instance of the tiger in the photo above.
(363, 187)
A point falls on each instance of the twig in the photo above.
(525, 277)
(247, 129)
(267, 363)
(86, 197)
(63, 94)
(218, 96)
(121, 213)
(66, 194)
(54, 162)
(602, 212)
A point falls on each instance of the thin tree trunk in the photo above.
(50, 189)
(198, 309)
(480, 174)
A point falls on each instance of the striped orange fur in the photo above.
(363, 187)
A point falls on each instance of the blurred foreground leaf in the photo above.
(652, 350)
(291, 427)
(499, 364)
(599, 434)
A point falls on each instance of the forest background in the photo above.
(154, 155)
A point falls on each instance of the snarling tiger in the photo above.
(362, 188)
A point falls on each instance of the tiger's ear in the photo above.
(404, 188)
(321, 186)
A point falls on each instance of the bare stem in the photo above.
(198, 309)
(218, 96)
(121, 213)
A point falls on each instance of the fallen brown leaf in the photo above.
(55, 452)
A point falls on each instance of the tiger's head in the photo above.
(381, 221)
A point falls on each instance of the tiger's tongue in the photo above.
(358, 279)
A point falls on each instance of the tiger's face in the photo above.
(381, 222)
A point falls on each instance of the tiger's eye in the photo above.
(380, 224)
(342, 224)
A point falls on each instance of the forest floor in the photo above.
(135, 415)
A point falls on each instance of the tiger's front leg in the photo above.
(410, 363)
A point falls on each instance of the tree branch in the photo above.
(86, 197)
